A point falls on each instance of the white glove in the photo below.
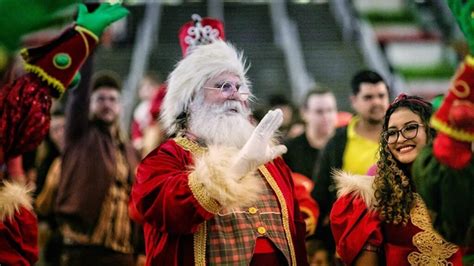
(259, 149)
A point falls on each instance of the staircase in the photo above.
(248, 26)
(329, 59)
(413, 44)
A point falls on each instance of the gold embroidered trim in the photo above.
(200, 194)
(433, 249)
(200, 245)
(197, 189)
(87, 31)
(449, 130)
(469, 60)
(51, 81)
(190, 145)
(284, 210)
(200, 237)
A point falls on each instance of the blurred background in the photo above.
(292, 45)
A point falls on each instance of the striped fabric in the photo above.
(113, 229)
(233, 233)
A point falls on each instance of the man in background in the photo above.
(319, 112)
(354, 147)
(97, 172)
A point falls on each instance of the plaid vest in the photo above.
(232, 233)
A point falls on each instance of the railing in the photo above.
(356, 30)
(146, 35)
(287, 38)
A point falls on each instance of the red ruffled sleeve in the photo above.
(353, 226)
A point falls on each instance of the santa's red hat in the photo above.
(200, 31)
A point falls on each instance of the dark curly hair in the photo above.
(393, 183)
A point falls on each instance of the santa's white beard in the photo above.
(226, 124)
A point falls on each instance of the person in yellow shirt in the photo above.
(354, 147)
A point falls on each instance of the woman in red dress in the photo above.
(381, 219)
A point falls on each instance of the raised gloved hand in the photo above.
(260, 149)
(100, 18)
(19, 17)
(463, 12)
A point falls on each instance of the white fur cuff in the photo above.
(360, 185)
(212, 172)
(13, 196)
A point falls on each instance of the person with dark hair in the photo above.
(25, 107)
(365, 76)
(382, 219)
(353, 147)
(98, 169)
(217, 192)
(319, 112)
(290, 127)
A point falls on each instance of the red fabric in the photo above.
(303, 188)
(163, 200)
(24, 121)
(136, 132)
(457, 112)
(18, 239)
(15, 167)
(24, 115)
(353, 226)
(398, 244)
(459, 93)
(157, 101)
(444, 147)
(264, 245)
(198, 31)
(77, 46)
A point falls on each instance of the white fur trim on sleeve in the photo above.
(13, 196)
(212, 171)
(360, 185)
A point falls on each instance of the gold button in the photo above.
(261, 230)
(253, 210)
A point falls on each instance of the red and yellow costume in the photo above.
(177, 211)
(444, 172)
(24, 121)
(356, 227)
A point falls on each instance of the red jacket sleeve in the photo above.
(161, 195)
(353, 226)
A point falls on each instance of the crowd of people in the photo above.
(205, 180)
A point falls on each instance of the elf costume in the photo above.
(444, 171)
(24, 120)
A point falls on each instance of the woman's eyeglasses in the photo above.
(409, 131)
(227, 89)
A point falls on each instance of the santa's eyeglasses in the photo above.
(409, 131)
(227, 89)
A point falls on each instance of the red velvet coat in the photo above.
(163, 201)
